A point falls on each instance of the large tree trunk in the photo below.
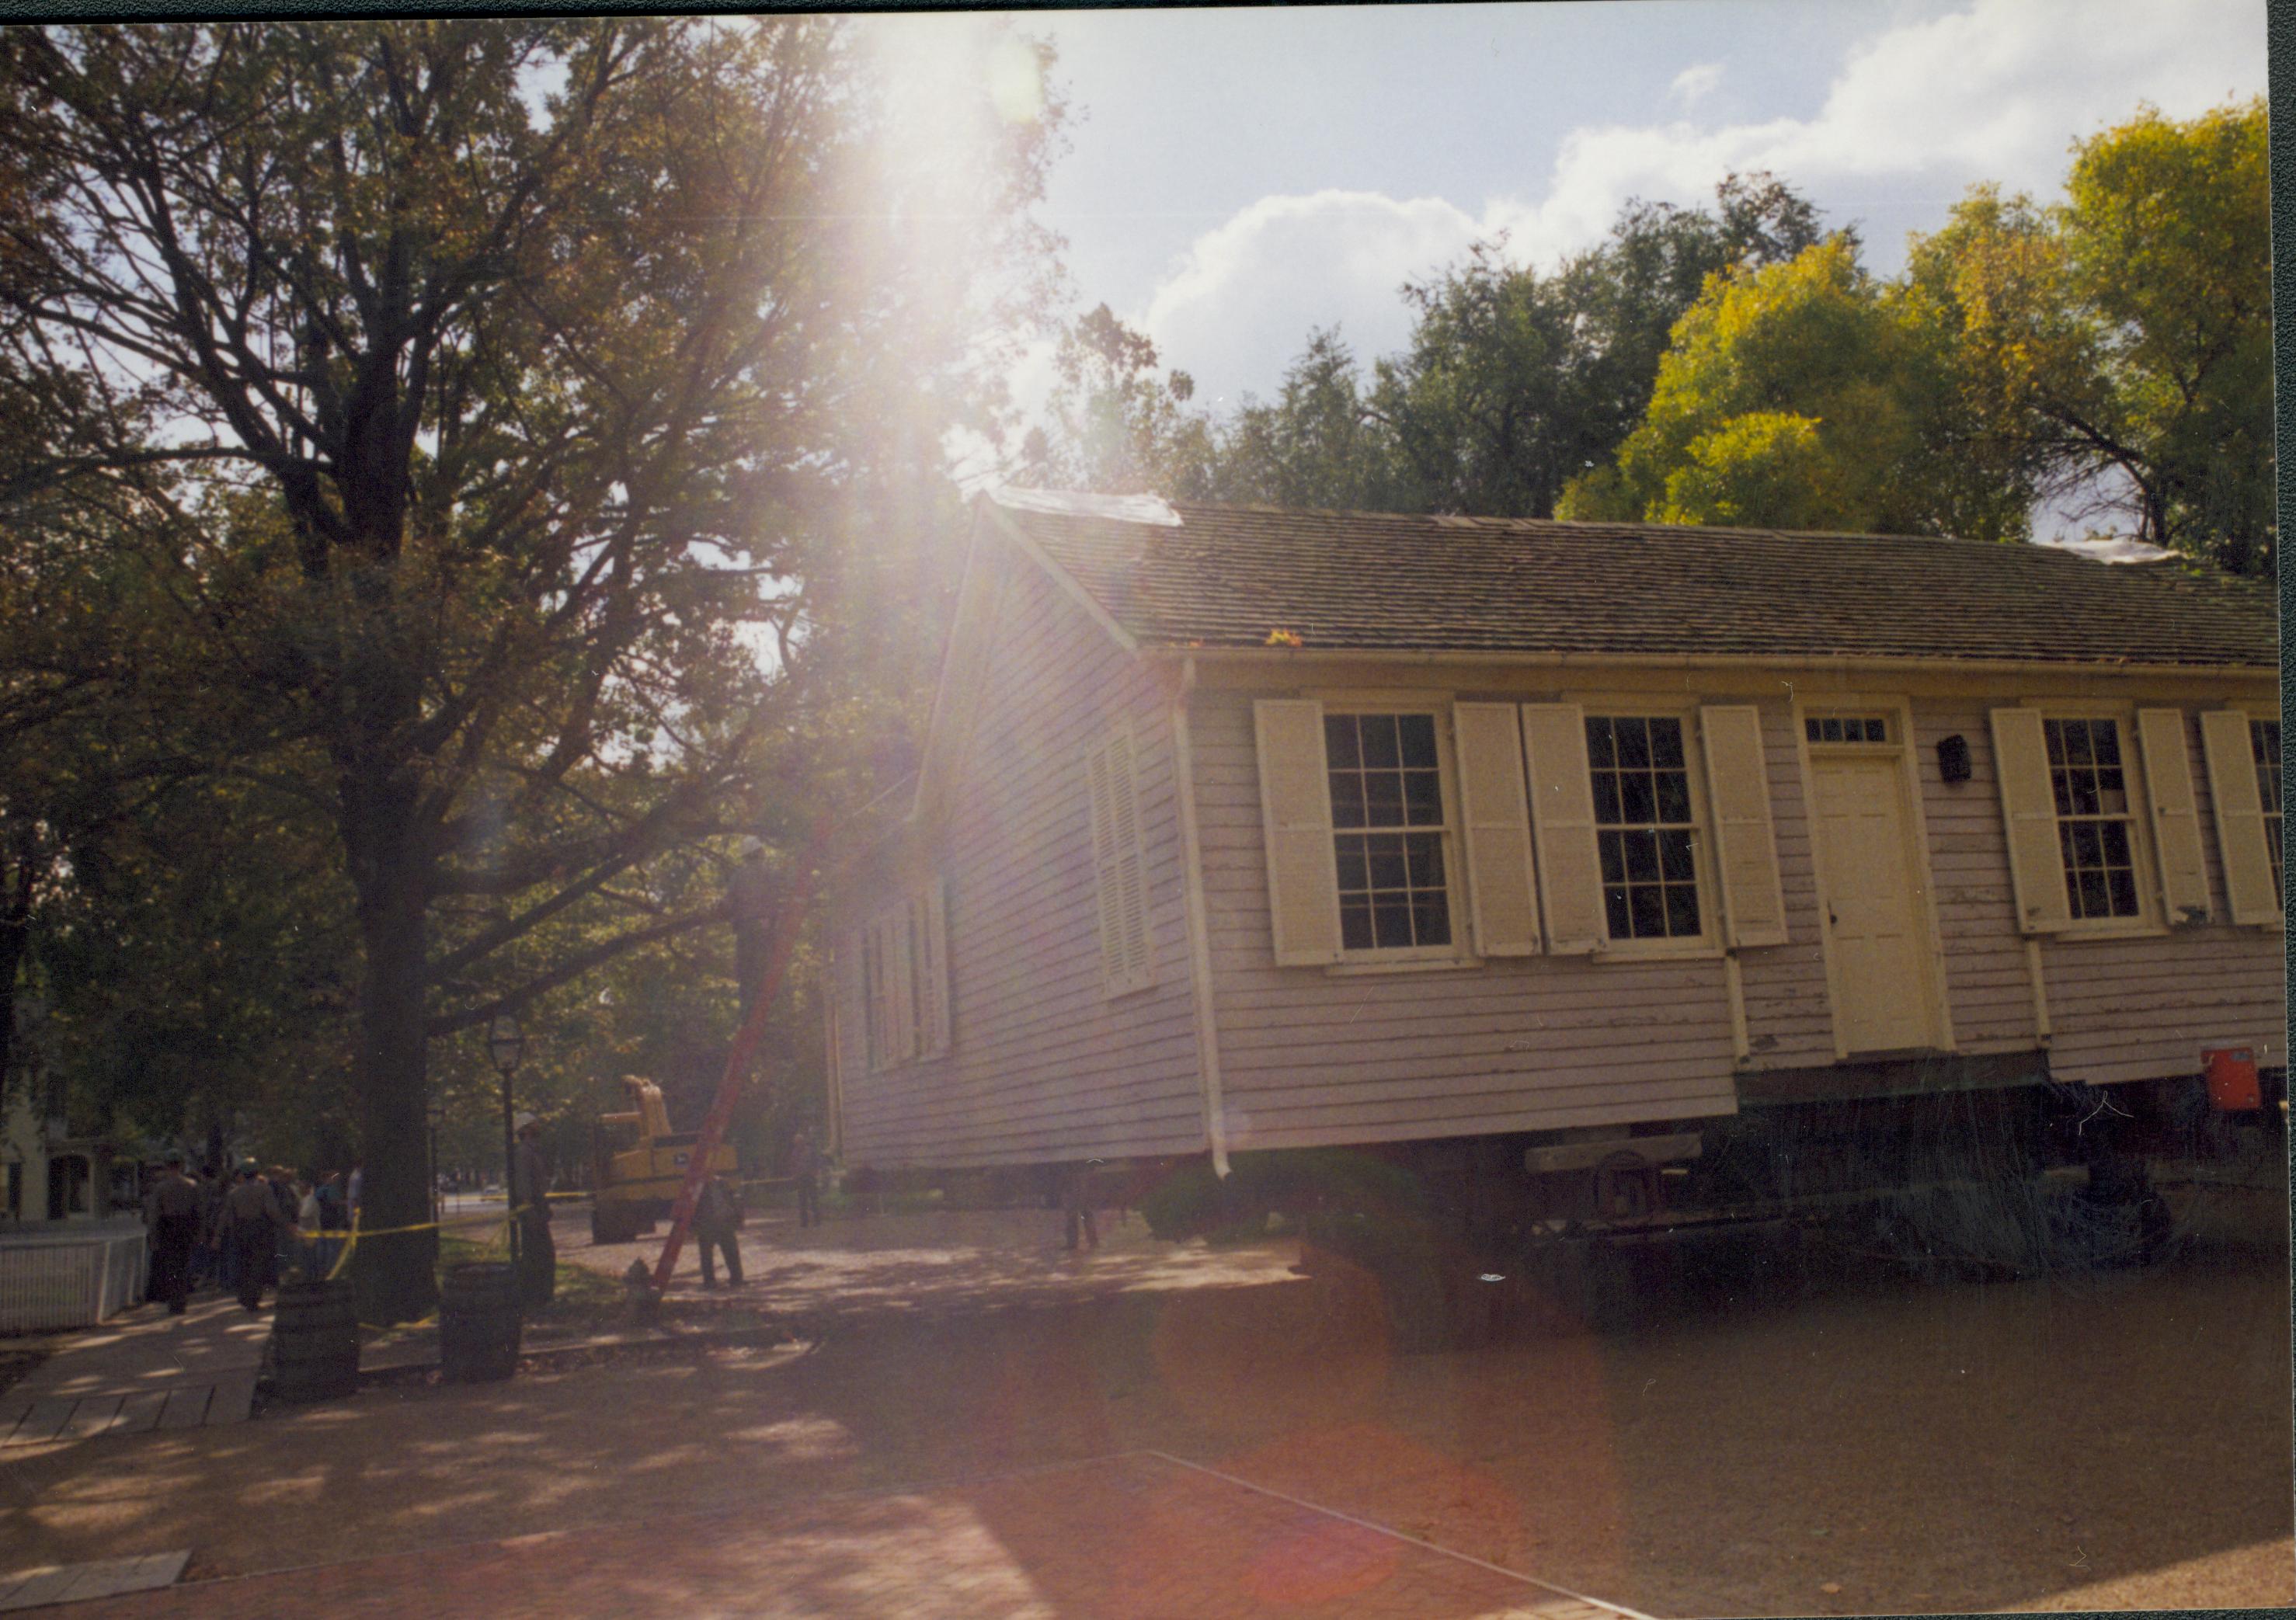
(15, 934)
(397, 1273)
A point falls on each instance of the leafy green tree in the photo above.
(1804, 395)
(189, 986)
(1514, 382)
(1116, 425)
(514, 376)
(2120, 343)
(1318, 443)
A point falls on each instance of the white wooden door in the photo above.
(1876, 923)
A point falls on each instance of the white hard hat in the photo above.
(522, 1120)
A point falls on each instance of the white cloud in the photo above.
(1694, 84)
(1238, 304)
(1995, 91)
(1998, 90)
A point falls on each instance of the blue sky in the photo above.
(1238, 176)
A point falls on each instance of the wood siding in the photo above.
(1311, 1057)
(2143, 1008)
(1047, 1066)
(1043, 1064)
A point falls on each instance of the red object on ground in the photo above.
(2233, 1085)
(786, 924)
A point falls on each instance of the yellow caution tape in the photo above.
(312, 1234)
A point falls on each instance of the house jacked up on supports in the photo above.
(1593, 878)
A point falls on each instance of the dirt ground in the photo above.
(2112, 1441)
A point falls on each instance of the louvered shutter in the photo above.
(1745, 849)
(1563, 827)
(872, 939)
(1139, 966)
(1101, 793)
(901, 986)
(929, 910)
(2242, 830)
(852, 1007)
(2176, 814)
(2028, 812)
(1295, 803)
(1119, 866)
(1494, 815)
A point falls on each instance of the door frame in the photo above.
(1898, 711)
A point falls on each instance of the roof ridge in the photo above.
(1641, 527)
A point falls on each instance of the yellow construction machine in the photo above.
(637, 1164)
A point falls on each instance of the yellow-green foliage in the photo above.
(2120, 342)
(2112, 353)
(1800, 396)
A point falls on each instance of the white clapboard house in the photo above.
(1243, 828)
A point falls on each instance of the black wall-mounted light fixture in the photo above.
(1953, 757)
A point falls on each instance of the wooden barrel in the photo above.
(314, 1351)
(479, 1321)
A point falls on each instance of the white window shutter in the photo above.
(2241, 828)
(1563, 827)
(1119, 866)
(1101, 789)
(901, 980)
(2176, 814)
(1495, 817)
(2029, 810)
(887, 1051)
(1745, 847)
(852, 1007)
(874, 1000)
(1295, 803)
(1130, 872)
(931, 908)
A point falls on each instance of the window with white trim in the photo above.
(1829, 729)
(2096, 835)
(1389, 825)
(1645, 826)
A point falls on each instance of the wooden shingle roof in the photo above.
(1235, 577)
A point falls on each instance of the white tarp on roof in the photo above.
(2109, 548)
(1076, 503)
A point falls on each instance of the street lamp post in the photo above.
(505, 1042)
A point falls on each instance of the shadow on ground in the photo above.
(1876, 1445)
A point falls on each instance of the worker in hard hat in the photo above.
(529, 1206)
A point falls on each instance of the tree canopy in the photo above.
(1805, 395)
(2105, 361)
(1514, 380)
(497, 404)
(2120, 343)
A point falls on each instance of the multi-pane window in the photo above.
(2264, 743)
(2094, 828)
(1846, 728)
(1387, 819)
(1645, 831)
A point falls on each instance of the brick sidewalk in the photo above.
(1133, 1537)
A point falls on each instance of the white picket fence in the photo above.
(69, 1274)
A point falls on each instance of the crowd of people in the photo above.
(245, 1231)
(245, 1228)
